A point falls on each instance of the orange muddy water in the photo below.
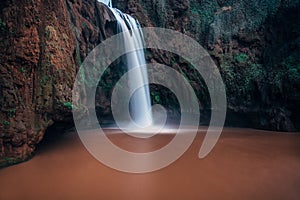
(245, 164)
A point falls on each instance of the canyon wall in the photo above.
(42, 44)
(255, 44)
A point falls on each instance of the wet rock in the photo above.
(254, 44)
(42, 44)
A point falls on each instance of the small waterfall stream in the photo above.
(140, 104)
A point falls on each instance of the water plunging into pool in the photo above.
(140, 104)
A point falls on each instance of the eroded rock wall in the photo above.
(42, 44)
(255, 45)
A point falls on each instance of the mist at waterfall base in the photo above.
(141, 111)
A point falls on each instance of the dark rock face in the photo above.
(42, 44)
(256, 45)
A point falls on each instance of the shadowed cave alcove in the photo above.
(54, 135)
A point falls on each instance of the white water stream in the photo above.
(140, 105)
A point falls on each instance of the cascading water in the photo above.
(140, 105)
(107, 2)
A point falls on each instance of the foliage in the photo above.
(244, 76)
(69, 105)
(155, 97)
(204, 11)
(11, 112)
(44, 80)
(84, 25)
(241, 58)
(194, 10)
(2, 25)
(22, 69)
(256, 12)
(215, 22)
(37, 19)
(292, 65)
(286, 74)
(240, 74)
(6, 123)
(47, 63)
(7, 159)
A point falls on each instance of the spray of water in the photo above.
(140, 105)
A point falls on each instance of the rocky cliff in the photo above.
(42, 44)
(255, 44)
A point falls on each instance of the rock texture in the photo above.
(42, 44)
(256, 45)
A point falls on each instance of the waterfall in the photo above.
(140, 104)
(107, 2)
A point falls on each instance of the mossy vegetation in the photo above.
(69, 105)
(11, 112)
(9, 160)
(44, 80)
(242, 58)
(245, 78)
(22, 69)
(155, 97)
(84, 25)
(202, 16)
(285, 76)
(241, 74)
(215, 19)
(6, 124)
(292, 65)
(2, 25)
